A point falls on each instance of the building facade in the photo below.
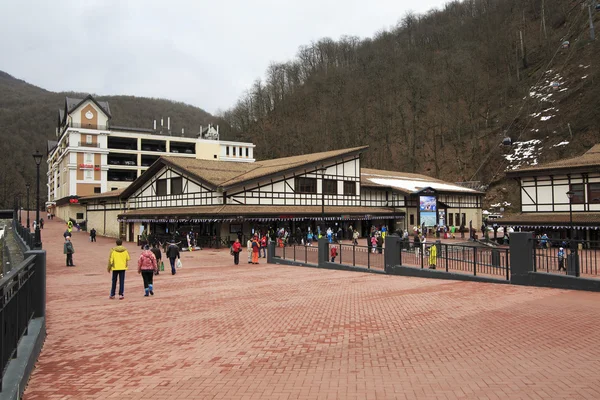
(91, 156)
(316, 191)
(558, 196)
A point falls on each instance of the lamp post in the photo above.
(19, 207)
(570, 195)
(37, 157)
(393, 212)
(28, 186)
(323, 196)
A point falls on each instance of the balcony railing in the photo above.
(87, 126)
(85, 144)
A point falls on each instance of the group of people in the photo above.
(149, 262)
(256, 247)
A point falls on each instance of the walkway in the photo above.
(217, 331)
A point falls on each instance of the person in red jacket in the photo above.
(236, 248)
(147, 266)
(263, 247)
(333, 253)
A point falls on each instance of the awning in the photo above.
(235, 213)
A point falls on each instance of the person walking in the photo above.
(158, 255)
(68, 249)
(255, 250)
(147, 266)
(263, 247)
(236, 248)
(417, 244)
(374, 243)
(41, 223)
(432, 256)
(93, 235)
(173, 254)
(380, 243)
(117, 264)
(355, 237)
(333, 253)
(561, 259)
(249, 249)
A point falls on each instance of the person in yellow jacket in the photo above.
(117, 263)
(433, 256)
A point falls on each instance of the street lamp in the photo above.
(28, 186)
(37, 157)
(570, 195)
(19, 205)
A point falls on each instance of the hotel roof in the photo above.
(406, 182)
(587, 161)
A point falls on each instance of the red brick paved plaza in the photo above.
(218, 331)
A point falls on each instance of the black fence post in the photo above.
(474, 261)
(506, 265)
(341, 253)
(39, 281)
(446, 255)
(368, 259)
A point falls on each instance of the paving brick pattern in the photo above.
(218, 331)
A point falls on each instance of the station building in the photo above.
(329, 189)
(92, 156)
(559, 195)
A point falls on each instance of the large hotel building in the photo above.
(92, 156)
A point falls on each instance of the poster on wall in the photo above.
(429, 218)
(442, 217)
(427, 203)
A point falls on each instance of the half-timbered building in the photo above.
(559, 195)
(320, 190)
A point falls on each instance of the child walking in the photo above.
(147, 266)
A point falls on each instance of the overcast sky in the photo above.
(206, 53)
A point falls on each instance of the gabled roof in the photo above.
(407, 183)
(72, 103)
(588, 161)
(228, 174)
(109, 194)
(51, 145)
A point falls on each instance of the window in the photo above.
(329, 186)
(349, 188)
(234, 151)
(579, 193)
(161, 187)
(412, 219)
(450, 219)
(79, 215)
(306, 185)
(88, 139)
(246, 152)
(227, 150)
(96, 190)
(457, 219)
(215, 156)
(112, 188)
(89, 158)
(594, 193)
(176, 185)
(88, 175)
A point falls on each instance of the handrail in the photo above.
(17, 292)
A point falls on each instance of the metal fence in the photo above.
(25, 234)
(298, 253)
(357, 256)
(574, 257)
(473, 260)
(17, 296)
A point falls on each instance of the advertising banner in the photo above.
(427, 203)
(429, 218)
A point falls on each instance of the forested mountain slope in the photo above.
(438, 93)
(28, 118)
